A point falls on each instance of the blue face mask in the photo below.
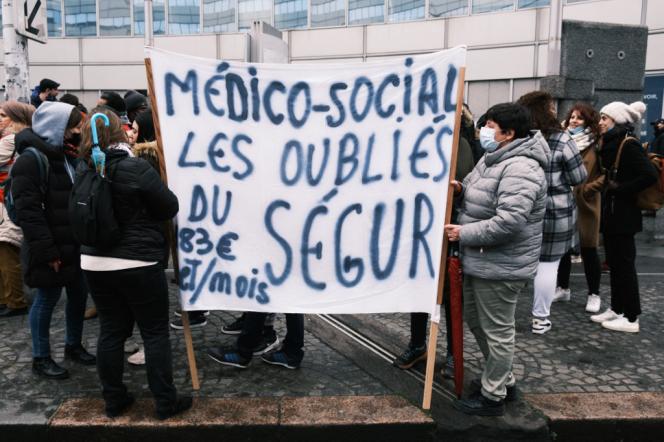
(576, 130)
(487, 140)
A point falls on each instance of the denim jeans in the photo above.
(42, 311)
(251, 334)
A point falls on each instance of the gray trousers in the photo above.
(489, 307)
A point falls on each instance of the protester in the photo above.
(135, 102)
(116, 103)
(417, 350)
(127, 280)
(47, 90)
(563, 171)
(627, 173)
(502, 204)
(74, 101)
(50, 254)
(657, 144)
(251, 342)
(582, 125)
(14, 117)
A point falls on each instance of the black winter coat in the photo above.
(635, 173)
(141, 204)
(657, 145)
(44, 218)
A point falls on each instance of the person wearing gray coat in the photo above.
(502, 204)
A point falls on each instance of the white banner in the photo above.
(308, 188)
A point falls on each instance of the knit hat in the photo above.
(623, 113)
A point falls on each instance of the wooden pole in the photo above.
(172, 240)
(433, 331)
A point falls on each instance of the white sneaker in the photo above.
(622, 324)
(541, 326)
(137, 358)
(594, 303)
(608, 315)
(562, 294)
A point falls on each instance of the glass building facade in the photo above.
(81, 18)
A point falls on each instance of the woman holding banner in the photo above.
(127, 281)
(501, 206)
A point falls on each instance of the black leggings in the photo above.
(591, 267)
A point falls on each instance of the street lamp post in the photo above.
(16, 57)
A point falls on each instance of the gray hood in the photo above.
(534, 147)
(50, 121)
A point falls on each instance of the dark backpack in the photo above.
(44, 169)
(91, 209)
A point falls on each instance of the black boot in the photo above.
(47, 368)
(115, 410)
(78, 354)
(182, 403)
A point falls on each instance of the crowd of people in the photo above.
(529, 192)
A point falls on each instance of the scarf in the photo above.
(122, 146)
(583, 139)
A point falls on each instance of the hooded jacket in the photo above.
(44, 218)
(501, 211)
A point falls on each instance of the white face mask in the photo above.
(487, 139)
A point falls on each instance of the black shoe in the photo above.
(78, 354)
(410, 357)
(234, 328)
(282, 359)
(182, 403)
(480, 406)
(9, 312)
(178, 312)
(228, 356)
(118, 409)
(47, 368)
(196, 320)
(476, 388)
(266, 345)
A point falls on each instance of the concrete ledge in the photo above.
(389, 418)
(614, 416)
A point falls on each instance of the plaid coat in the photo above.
(565, 170)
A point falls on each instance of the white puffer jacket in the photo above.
(9, 232)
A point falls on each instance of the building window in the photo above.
(328, 13)
(158, 17)
(290, 14)
(114, 17)
(183, 17)
(405, 10)
(54, 18)
(219, 16)
(523, 4)
(480, 6)
(365, 11)
(448, 8)
(250, 10)
(80, 18)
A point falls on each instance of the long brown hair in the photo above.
(20, 113)
(589, 115)
(112, 134)
(539, 104)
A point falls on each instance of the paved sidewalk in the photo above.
(324, 372)
(577, 355)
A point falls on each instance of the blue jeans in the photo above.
(42, 311)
